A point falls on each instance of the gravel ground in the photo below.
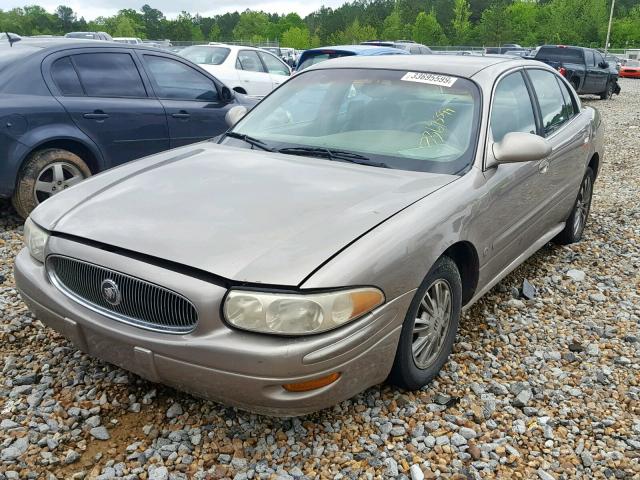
(544, 388)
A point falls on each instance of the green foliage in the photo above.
(433, 22)
(427, 30)
(354, 34)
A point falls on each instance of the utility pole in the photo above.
(606, 45)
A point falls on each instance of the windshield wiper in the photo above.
(254, 142)
(339, 155)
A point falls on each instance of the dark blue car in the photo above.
(72, 108)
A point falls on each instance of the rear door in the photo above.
(254, 78)
(592, 80)
(103, 92)
(190, 99)
(277, 69)
(567, 131)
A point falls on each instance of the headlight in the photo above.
(35, 238)
(298, 314)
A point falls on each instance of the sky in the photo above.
(171, 8)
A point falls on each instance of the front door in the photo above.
(190, 98)
(105, 96)
(518, 191)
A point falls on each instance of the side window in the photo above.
(274, 65)
(424, 51)
(550, 98)
(249, 61)
(591, 59)
(599, 58)
(66, 78)
(175, 80)
(109, 75)
(414, 50)
(512, 110)
(570, 106)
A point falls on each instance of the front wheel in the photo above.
(608, 93)
(577, 220)
(429, 328)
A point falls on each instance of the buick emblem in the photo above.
(111, 292)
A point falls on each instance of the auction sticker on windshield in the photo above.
(430, 78)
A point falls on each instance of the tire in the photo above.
(406, 372)
(575, 83)
(577, 220)
(56, 169)
(608, 93)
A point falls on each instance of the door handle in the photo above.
(181, 115)
(96, 115)
(543, 166)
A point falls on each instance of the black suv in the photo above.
(72, 108)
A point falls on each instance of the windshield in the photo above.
(399, 119)
(206, 55)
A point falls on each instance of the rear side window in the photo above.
(175, 80)
(109, 75)
(65, 77)
(551, 100)
(512, 110)
(414, 50)
(570, 106)
(560, 54)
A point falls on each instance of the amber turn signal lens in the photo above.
(311, 384)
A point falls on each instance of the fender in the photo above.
(31, 140)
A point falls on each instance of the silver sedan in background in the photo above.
(329, 241)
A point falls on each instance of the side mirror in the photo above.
(518, 147)
(235, 114)
(226, 94)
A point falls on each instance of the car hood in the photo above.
(242, 214)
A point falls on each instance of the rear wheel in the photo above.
(429, 328)
(46, 173)
(577, 220)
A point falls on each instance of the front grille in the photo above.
(122, 297)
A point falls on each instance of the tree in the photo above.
(393, 28)
(297, 38)
(427, 30)
(152, 21)
(354, 34)
(124, 28)
(67, 17)
(251, 26)
(461, 25)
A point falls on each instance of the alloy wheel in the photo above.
(583, 204)
(432, 323)
(55, 178)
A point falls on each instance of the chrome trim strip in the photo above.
(57, 282)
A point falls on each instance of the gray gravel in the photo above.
(544, 388)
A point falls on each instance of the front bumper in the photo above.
(242, 369)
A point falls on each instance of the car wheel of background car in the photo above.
(575, 83)
(46, 173)
(608, 93)
(430, 327)
(578, 219)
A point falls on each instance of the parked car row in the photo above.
(327, 242)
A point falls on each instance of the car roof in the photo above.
(357, 49)
(458, 65)
(54, 44)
